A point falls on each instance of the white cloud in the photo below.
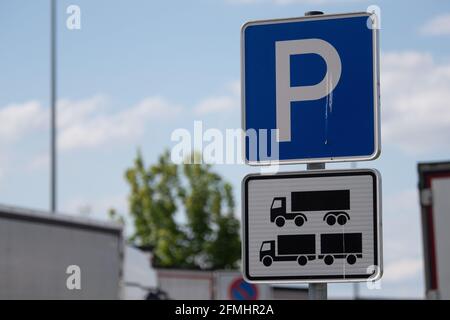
(19, 119)
(93, 126)
(70, 111)
(84, 123)
(414, 101)
(221, 103)
(439, 25)
(215, 104)
(402, 269)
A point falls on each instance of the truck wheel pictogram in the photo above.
(267, 261)
(328, 260)
(331, 220)
(342, 219)
(302, 260)
(299, 221)
(351, 259)
(279, 221)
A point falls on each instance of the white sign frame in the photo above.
(377, 227)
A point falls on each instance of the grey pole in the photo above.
(315, 166)
(53, 203)
(317, 291)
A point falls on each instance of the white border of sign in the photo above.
(378, 272)
(376, 89)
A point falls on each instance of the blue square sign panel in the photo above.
(310, 89)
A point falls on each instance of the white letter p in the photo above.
(285, 94)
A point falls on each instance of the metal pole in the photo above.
(53, 203)
(315, 166)
(317, 291)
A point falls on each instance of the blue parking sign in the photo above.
(310, 89)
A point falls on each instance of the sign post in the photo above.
(310, 94)
(316, 291)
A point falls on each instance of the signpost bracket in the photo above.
(315, 166)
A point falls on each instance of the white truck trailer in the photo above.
(434, 190)
(37, 249)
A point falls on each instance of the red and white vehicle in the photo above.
(434, 188)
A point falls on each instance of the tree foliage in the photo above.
(185, 212)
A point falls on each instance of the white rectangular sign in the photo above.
(313, 226)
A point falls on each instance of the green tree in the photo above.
(185, 212)
(152, 204)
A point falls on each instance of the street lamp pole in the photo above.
(53, 97)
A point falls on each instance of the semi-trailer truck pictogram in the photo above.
(335, 202)
(295, 247)
(302, 248)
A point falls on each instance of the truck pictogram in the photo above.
(336, 202)
(302, 248)
(340, 246)
(295, 247)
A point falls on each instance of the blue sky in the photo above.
(137, 70)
